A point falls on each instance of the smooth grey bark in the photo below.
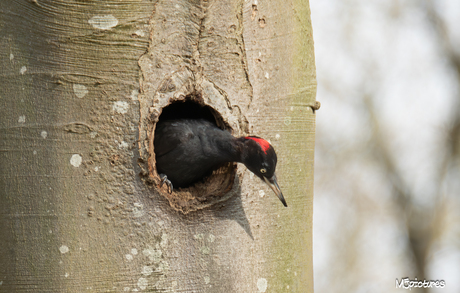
(80, 210)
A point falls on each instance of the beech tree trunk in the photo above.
(82, 86)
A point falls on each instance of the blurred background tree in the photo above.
(387, 154)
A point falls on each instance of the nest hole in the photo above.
(213, 187)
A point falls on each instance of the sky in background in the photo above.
(388, 96)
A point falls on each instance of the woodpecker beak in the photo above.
(274, 186)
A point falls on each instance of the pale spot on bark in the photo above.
(64, 249)
(75, 160)
(120, 107)
(80, 90)
(262, 284)
(103, 22)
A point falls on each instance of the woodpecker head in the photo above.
(260, 158)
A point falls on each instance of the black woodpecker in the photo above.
(186, 150)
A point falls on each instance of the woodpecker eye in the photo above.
(263, 170)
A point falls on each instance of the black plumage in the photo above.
(186, 150)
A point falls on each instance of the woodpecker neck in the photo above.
(242, 149)
(226, 147)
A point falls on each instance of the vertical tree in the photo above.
(83, 84)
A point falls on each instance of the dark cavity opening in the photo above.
(188, 110)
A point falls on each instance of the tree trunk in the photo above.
(83, 85)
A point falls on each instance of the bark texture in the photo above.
(83, 84)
